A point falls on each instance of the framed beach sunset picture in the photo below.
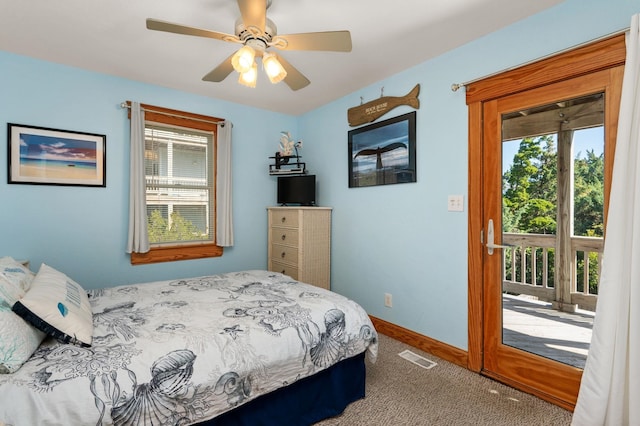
(43, 156)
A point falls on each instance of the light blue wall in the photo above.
(82, 231)
(396, 239)
(400, 239)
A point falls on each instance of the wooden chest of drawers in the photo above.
(300, 243)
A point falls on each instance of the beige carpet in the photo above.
(402, 393)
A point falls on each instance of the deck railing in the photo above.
(529, 268)
(176, 188)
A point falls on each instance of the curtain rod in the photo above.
(456, 86)
(222, 123)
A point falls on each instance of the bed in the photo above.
(242, 348)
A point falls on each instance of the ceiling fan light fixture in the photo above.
(249, 78)
(256, 33)
(243, 59)
(274, 69)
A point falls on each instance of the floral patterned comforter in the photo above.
(184, 351)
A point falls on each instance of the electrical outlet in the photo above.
(387, 300)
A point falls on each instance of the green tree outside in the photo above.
(530, 200)
(180, 229)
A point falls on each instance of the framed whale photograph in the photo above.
(383, 153)
(44, 156)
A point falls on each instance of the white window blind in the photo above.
(179, 170)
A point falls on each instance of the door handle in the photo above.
(490, 244)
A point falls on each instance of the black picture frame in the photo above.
(383, 153)
(45, 156)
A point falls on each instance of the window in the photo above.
(179, 177)
(180, 158)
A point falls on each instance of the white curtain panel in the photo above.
(138, 238)
(224, 199)
(610, 387)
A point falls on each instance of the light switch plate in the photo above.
(455, 203)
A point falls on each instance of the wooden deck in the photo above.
(535, 327)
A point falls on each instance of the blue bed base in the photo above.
(307, 401)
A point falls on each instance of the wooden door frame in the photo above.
(609, 53)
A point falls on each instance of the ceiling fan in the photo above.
(258, 34)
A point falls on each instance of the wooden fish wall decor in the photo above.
(371, 111)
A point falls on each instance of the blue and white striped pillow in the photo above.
(15, 280)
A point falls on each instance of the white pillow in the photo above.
(58, 306)
(15, 280)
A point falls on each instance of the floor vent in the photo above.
(417, 359)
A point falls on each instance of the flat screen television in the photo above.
(297, 190)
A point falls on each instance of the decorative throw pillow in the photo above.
(18, 340)
(15, 280)
(58, 306)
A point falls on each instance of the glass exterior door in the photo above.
(543, 213)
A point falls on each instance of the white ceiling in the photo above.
(110, 37)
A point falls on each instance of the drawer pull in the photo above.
(283, 271)
(282, 255)
(284, 237)
(284, 219)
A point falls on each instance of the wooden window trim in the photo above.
(183, 251)
(172, 254)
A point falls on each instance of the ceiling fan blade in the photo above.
(294, 79)
(334, 41)
(220, 72)
(254, 13)
(154, 24)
